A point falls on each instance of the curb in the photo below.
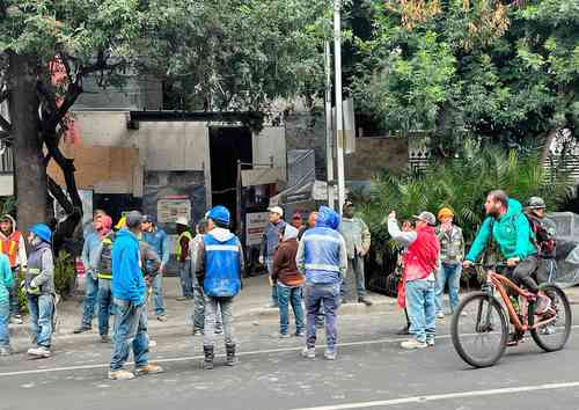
(252, 316)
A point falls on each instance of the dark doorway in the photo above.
(227, 146)
(115, 204)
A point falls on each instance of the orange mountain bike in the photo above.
(481, 333)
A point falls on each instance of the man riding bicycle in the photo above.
(511, 231)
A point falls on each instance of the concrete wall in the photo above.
(171, 146)
(307, 131)
(374, 154)
(142, 93)
(304, 130)
(270, 144)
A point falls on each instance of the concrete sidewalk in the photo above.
(250, 306)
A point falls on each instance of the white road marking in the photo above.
(447, 396)
(240, 354)
(187, 358)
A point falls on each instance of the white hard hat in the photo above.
(182, 221)
(276, 210)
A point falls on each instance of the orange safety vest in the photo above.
(9, 247)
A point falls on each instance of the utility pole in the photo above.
(329, 135)
(339, 101)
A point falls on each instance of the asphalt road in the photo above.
(371, 372)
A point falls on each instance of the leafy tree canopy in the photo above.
(508, 71)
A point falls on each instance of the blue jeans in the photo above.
(4, 317)
(329, 296)
(105, 297)
(354, 284)
(421, 308)
(269, 266)
(448, 274)
(41, 309)
(13, 292)
(287, 295)
(130, 329)
(158, 303)
(186, 279)
(90, 300)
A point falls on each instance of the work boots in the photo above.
(209, 356)
(231, 359)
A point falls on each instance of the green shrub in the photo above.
(461, 183)
(22, 296)
(64, 274)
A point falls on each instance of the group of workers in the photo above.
(319, 266)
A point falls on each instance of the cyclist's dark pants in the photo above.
(523, 274)
(547, 271)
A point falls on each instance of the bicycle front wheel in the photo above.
(553, 336)
(479, 330)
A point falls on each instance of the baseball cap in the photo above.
(134, 219)
(276, 210)
(426, 217)
(182, 221)
(147, 218)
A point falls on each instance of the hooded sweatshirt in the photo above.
(220, 263)
(128, 281)
(18, 258)
(285, 270)
(322, 254)
(6, 279)
(512, 232)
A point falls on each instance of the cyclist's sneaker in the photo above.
(515, 338)
(430, 342)
(548, 330)
(543, 304)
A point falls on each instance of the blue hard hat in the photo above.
(219, 213)
(42, 231)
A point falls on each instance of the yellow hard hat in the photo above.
(121, 224)
(445, 213)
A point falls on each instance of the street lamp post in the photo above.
(329, 134)
(339, 109)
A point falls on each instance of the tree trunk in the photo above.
(30, 171)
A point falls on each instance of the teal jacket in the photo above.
(512, 232)
(6, 278)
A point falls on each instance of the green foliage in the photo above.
(462, 184)
(235, 55)
(8, 205)
(78, 28)
(22, 294)
(64, 274)
(510, 73)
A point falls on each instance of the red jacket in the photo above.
(422, 256)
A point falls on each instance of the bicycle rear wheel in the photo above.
(479, 330)
(553, 336)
